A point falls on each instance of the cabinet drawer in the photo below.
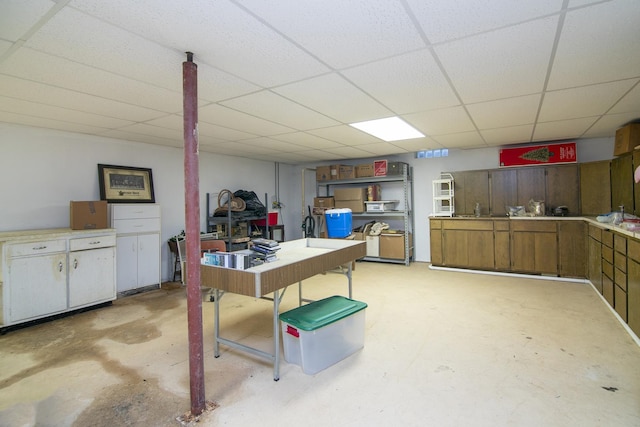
(146, 225)
(471, 224)
(620, 302)
(620, 244)
(607, 238)
(595, 232)
(634, 249)
(620, 261)
(92, 243)
(533, 225)
(36, 248)
(607, 254)
(607, 269)
(620, 279)
(501, 225)
(436, 224)
(142, 210)
(608, 290)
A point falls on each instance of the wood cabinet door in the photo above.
(595, 264)
(534, 252)
(572, 248)
(455, 244)
(502, 251)
(523, 251)
(480, 251)
(531, 185)
(436, 247)
(595, 188)
(546, 253)
(622, 183)
(503, 190)
(636, 185)
(562, 183)
(633, 296)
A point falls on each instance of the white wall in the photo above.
(42, 170)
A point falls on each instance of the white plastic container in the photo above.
(320, 334)
(381, 205)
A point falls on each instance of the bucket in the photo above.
(338, 222)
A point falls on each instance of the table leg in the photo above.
(349, 271)
(276, 335)
(216, 323)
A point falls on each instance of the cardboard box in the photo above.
(335, 171)
(627, 138)
(324, 202)
(323, 173)
(396, 168)
(351, 198)
(346, 172)
(380, 168)
(373, 245)
(364, 170)
(392, 245)
(88, 215)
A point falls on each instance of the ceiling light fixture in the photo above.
(389, 129)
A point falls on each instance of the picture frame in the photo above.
(125, 184)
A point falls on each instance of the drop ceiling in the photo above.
(281, 80)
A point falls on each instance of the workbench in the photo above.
(297, 260)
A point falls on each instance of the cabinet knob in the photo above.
(75, 264)
(60, 266)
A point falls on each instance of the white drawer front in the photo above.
(92, 243)
(137, 225)
(36, 248)
(131, 211)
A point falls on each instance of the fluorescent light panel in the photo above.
(389, 129)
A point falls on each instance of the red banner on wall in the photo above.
(539, 155)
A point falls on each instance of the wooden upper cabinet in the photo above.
(595, 188)
(622, 183)
(636, 185)
(530, 185)
(562, 187)
(504, 190)
(471, 187)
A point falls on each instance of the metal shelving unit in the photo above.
(404, 211)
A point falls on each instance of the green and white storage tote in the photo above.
(322, 333)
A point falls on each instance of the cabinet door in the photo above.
(37, 286)
(502, 252)
(91, 276)
(148, 259)
(436, 247)
(127, 256)
(572, 248)
(595, 188)
(454, 244)
(636, 185)
(534, 252)
(504, 191)
(633, 296)
(530, 185)
(622, 183)
(471, 187)
(595, 263)
(480, 250)
(523, 251)
(561, 184)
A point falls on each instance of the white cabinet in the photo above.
(138, 245)
(92, 270)
(48, 272)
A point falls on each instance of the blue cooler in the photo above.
(338, 222)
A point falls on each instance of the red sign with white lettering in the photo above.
(539, 155)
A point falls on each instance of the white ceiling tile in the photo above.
(562, 129)
(438, 122)
(155, 131)
(592, 50)
(4, 47)
(460, 140)
(17, 106)
(218, 33)
(273, 144)
(345, 33)
(501, 64)
(350, 152)
(344, 134)
(176, 122)
(139, 137)
(43, 122)
(417, 144)
(31, 65)
(51, 95)
(604, 126)
(507, 135)
(446, 20)
(270, 106)
(405, 84)
(583, 101)
(334, 97)
(630, 102)
(505, 112)
(307, 140)
(223, 116)
(17, 17)
(383, 148)
(301, 157)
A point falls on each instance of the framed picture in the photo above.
(125, 184)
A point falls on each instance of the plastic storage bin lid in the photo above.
(337, 211)
(322, 312)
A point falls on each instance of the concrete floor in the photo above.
(441, 348)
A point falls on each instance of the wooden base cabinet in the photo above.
(633, 286)
(534, 247)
